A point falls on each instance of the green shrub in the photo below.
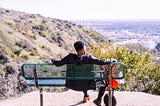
(141, 75)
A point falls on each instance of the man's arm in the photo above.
(61, 62)
(97, 61)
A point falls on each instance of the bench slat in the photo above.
(55, 82)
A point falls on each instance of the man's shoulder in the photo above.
(87, 56)
(72, 55)
(84, 56)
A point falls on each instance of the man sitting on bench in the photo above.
(80, 59)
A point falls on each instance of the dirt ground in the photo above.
(74, 98)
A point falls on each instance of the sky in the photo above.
(88, 9)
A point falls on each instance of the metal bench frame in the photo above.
(35, 81)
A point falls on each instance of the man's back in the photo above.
(83, 70)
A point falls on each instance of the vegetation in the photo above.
(141, 75)
(33, 38)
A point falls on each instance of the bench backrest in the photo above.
(50, 75)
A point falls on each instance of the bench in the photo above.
(46, 74)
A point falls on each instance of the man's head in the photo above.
(79, 47)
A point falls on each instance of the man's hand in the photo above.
(113, 60)
(53, 60)
(109, 61)
(49, 63)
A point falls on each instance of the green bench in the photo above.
(45, 74)
(51, 75)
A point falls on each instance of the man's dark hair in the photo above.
(79, 45)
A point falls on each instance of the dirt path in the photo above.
(74, 98)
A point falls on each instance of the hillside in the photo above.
(32, 35)
(33, 38)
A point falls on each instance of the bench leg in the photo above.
(110, 87)
(41, 96)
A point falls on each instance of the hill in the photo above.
(33, 38)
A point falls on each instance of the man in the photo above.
(80, 58)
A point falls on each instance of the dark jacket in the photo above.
(79, 61)
(75, 59)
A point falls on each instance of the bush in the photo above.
(141, 75)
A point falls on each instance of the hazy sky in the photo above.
(88, 9)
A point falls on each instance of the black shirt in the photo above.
(76, 59)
